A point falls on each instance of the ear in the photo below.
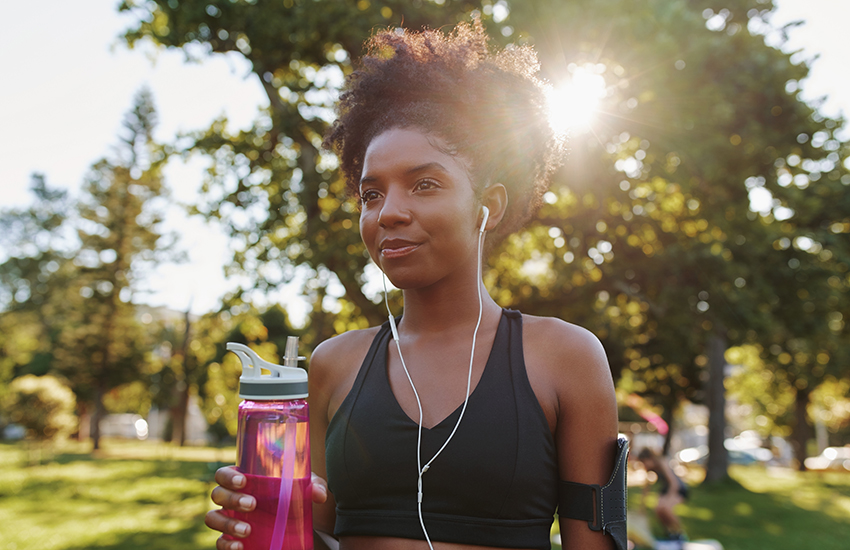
(495, 197)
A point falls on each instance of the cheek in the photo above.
(367, 232)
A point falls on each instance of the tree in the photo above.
(698, 113)
(43, 405)
(279, 193)
(38, 246)
(103, 345)
(649, 235)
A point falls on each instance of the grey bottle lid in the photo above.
(286, 381)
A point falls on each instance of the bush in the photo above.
(43, 405)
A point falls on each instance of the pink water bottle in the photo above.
(273, 450)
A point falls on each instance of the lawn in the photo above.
(766, 509)
(131, 495)
(138, 495)
(773, 509)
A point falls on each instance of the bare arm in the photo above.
(320, 388)
(673, 483)
(586, 416)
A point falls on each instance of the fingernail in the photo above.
(241, 528)
(238, 480)
(323, 490)
(246, 502)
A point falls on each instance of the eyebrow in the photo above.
(414, 170)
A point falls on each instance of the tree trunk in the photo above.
(802, 431)
(718, 459)
(99, 413)
(179, 412)
(84, 430)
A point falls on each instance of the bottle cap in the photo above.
(287, 381)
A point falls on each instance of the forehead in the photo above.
(406, 148)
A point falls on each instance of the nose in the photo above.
(394, 209)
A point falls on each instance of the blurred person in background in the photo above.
(671, 492)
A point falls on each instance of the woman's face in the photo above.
(419, 216)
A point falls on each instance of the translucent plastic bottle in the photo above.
(273, 450)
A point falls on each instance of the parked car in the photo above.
(699, 456)
(832, 458)
(126, 425)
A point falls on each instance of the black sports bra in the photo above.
(495, 484)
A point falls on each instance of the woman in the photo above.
(452, 425)
(672, 491)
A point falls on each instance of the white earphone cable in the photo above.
(423, 469)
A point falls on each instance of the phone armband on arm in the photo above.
(602, 507)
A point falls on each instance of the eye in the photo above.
(426, 185)
(369, 195)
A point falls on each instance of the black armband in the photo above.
(603, 508)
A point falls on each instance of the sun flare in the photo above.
(573, 103)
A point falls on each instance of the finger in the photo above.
(225, 544)
(320, 489)
(231, 500)
(217, 521)
(230, 478)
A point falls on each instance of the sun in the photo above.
(574, 103)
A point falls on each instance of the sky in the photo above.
(64, 93)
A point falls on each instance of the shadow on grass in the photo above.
(67, 458)
(797, 513)
(109, 483)
(189, 538)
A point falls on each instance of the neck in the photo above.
(446, 307)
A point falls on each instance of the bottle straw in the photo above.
(286, 475)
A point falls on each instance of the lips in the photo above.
(397, 248)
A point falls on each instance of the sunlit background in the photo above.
(698, 227)
(74, 88)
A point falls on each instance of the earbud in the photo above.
(486, 212)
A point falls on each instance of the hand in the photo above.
(227, 495)
(320, 489)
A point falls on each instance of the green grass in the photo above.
(129, 496)
(138, 495)
(773, 509)
(770, 509)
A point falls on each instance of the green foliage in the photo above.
(102, 345)
(67, 284)
(648, 236)
(37, 251)
(43, 405)
(766, 394)
(830, 405)
(277, 191)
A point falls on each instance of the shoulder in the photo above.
(569, 357)
(344, 344)
(570, 362)
(339, 352)
(334, 365)
(561, 345)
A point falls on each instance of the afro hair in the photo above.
(488, 106)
